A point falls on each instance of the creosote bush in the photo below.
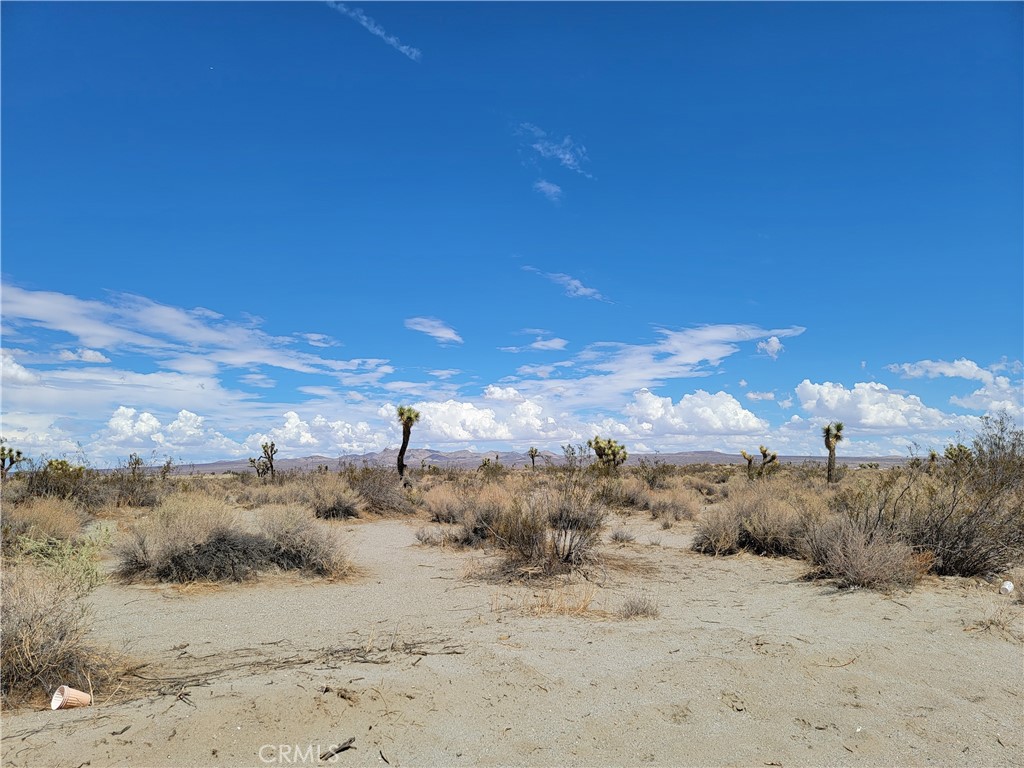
(198, 538)
(381, 490)
(330, 496)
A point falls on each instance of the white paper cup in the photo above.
(1006, 588)
(66, 697)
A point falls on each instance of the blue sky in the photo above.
(683, 225)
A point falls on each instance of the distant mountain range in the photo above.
(415, 458)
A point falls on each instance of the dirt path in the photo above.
(746, 665)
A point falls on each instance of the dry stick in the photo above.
(836, 666)
(338, 749)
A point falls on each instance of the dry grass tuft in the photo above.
(854, 557)
(563, 600)
(42, 518)
(639, 607)
(622, 536)
(445, 503)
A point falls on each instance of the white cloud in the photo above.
(376, 29)
(998, 393)
(569, 153)
(549, 344)
(13, 373)
(697, 413)
(460, 421)
(83, 355)
(492, 392)
(445, 373)
(317, 339)
(962, 368)
(771, 347)
(435, 328)
(260, 380)
(551, 191)
(760, 396)
(873, 406)
(573, 287)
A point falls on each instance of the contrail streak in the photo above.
(374, 28)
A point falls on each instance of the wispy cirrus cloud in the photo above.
(376, 29)
(437, 329)
(573, 287)
(551, 191)
(567, 151)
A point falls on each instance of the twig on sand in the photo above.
(338, 749)
(836, 666)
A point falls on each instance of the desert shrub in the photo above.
(629, 492)
(674, 505)
(576, 520)
(521, 529)
(718, 532)
(187, 542)
(972, 513)
(381, 490)
(254, 494)
(653, 473)
(133, 485)
(841, 549)
(481, 514)
(59, 478)
(43, 642)
(768, 524)
(41, 518)
(639, 607)
(301, 543)
(330, 496)
(544, 533)
(445, 503)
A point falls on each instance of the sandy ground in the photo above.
(421, 663)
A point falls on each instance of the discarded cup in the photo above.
(1006, 588)
(66, 697)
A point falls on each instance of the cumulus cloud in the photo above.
(438, 330)
(83, 355)
(572, 286)
(13, 373)
(771, 347)
(873, 406)
(492, 392)
(700, 412)
(374, 28)
(550, 190)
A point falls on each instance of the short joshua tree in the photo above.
(833, 434)
(609, 453)
(533, 453)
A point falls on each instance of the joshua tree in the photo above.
(767, 458)
(407, 416)
(533, 453)
(833, 434)
(269, 451)
(750, 464)
(610, 453)
(9, 457)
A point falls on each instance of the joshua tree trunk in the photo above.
(406, 434)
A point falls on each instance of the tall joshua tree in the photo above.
(407, 416)
(833, 434)
(533, 453)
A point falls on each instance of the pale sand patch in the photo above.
(745, 665)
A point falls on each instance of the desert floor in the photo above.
(423, 662)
